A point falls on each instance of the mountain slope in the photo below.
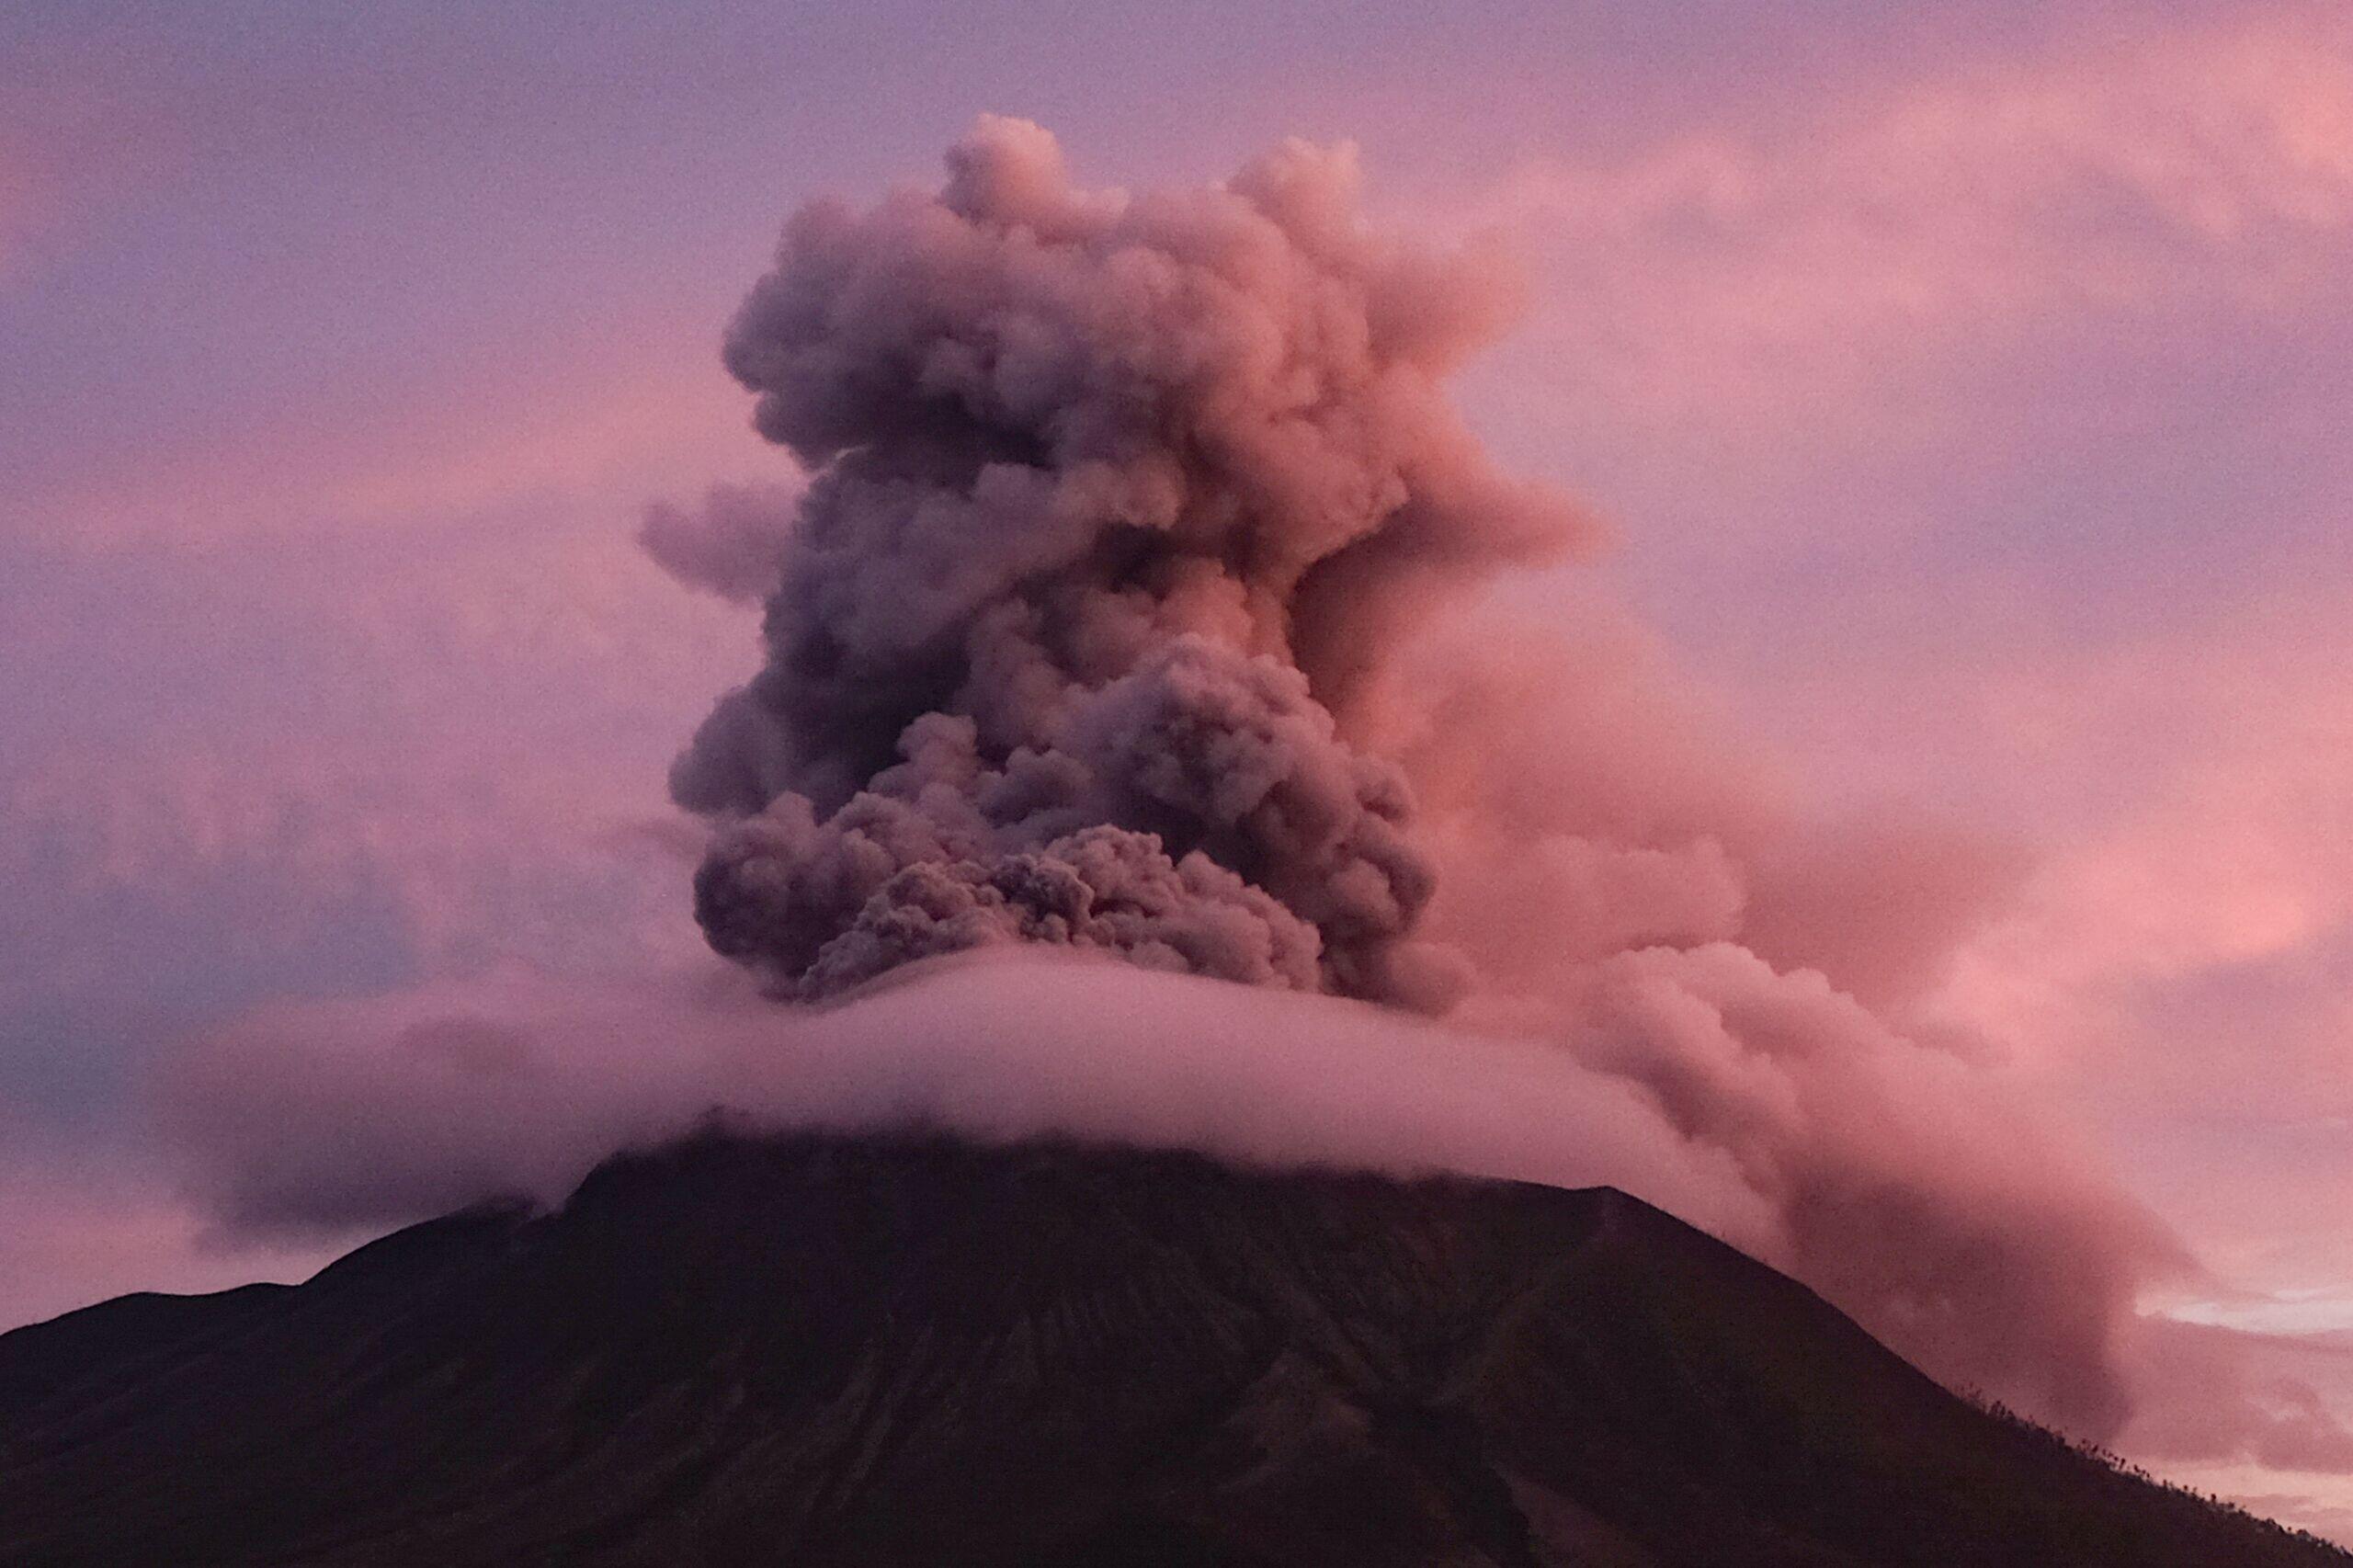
(880, 1351)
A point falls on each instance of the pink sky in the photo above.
(1966, 394)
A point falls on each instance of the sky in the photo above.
(1963, 390)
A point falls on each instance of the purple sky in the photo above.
(1967, 389)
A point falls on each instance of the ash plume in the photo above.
(1104, 629)
(1112, 501)
(1105, 622)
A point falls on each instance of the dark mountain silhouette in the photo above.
(911, 1351)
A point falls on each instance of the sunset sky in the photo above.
(1966, 387)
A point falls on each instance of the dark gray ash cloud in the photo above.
(1114, 504)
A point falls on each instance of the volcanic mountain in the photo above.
(829, 1350)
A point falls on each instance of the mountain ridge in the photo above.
(911, 1349)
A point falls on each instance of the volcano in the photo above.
(834, 1350)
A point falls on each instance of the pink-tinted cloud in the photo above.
(2178, 968)
(607, 427)
(77, 1227)
(2233, 1396)
(2202, 168)
(377, 1110)
(2252, 1416)
(1883, 900)
(300, 764)
(2170, 971)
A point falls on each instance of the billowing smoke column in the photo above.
(1104, 622)
(1112, 499)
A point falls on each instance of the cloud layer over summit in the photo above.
(1953, 719)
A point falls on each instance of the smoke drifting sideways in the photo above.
(1133, 610)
